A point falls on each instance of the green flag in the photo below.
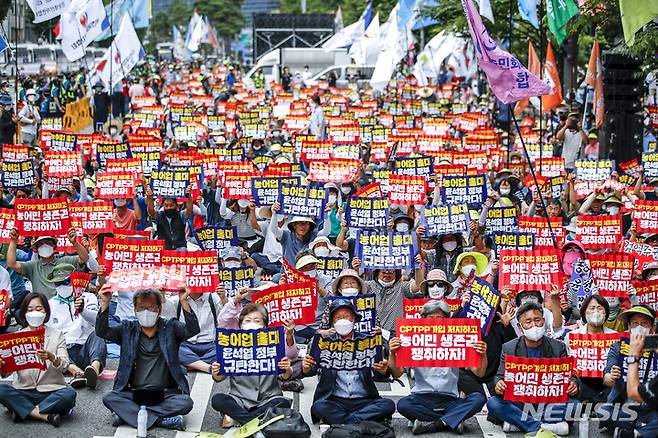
(634, 15)
(559, 12)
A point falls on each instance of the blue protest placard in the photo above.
(170, 183)
(346, 355)
(234, 279)
(482, 305)
(331, 266)
(464, 189)
(367, 213)
(250, 352)
(513, 241)
(265, 191)
(115, 151)
(502, 220)
(302, 201)
(366, 306)
(648, 367)
(216, 238)
(445, 219)
(414, 166)
(384, 250)
(17, 174)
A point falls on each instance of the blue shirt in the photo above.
(349, 385)
(534, 352)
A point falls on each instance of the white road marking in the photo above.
(125, 431)
(489, 430)
(200, 393)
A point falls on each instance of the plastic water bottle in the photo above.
(142, 419)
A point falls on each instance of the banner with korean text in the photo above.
(250, 352)
(532, 380)
(19, 350)
(296, 301)
(347, 355)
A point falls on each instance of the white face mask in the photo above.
(120, 202)
(349, 291)
(45, 251)
(64, 291)
(332, 199)
(312, 273)
(344, 327)
(596, 318)
(35, 318)
(639, 330)
(436, 291)
(146, 318)
(449, 246)
(232, 264)
(243, 203)
(467, 269)
(505, 191)
(251, 326)
(386, 283)
(321, 251)
(613, 211)
(402, 227)
(31, 99)
(534, 333)
(346, 190)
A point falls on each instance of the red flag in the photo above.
(533, 66)
(552, 78)
(594, 79)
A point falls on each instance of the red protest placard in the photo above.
(80, 281)
(113, 185)
(337, 170)
(296, 301)
(412, 307)
(599, 232)
(237, 185)
(93, 217)
(537, 380)
(591, 352)
(4, 306)
(123, 254)
(646, 292)
(15, 152)
(19, 350)
(646, 216)
(125, 165)
(292, 275)
(7, 222)
(372, 190)
(201, 267)
(438, 342)
(539, 227)
(529, 269)
(316, 150)
(38, 217)
(62, 164)
(407, 190)
(165, 278)
(612, 273)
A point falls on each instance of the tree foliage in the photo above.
(225, 16)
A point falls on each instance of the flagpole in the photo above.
(509, 125)
(542, 55)
(16, 56)
(534, 177)
(84, 51)
(111, 44)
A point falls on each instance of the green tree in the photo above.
(225, 16)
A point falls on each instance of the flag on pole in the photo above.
(558, 14)
(508, 78)
(338, 20)
(139, 11)
(81, 23)
(212, 36)
(123, 54)
(348, 35)
(3, 44)
(634, 15)
(534, 67)
(552, 78)
(485, 10)
(528, 11)
(199, 34)
(46, 10)
(594, 79)
(365, 50)
(180, 50)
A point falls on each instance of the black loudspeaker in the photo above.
(621, 137)
(290, 30)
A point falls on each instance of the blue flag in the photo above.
(528, 11)
(3, 44)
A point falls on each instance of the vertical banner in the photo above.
(537, 380)
(296, 301)
(250, 352)
(438, 342)
(38, 217)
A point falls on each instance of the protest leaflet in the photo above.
(367, 213)
(407, 190)
(445, 219)
(513, 241)
(265, 191)
(62, 164)
(539, 226)
(17, 174)
(529, 270)
(599, 232)
(438, 342)
(38, 217)
(7, 222)
(482, 305)
(646, 292)
(201, 268)
(591, 352)
(302, 201)
(216, 238)
(612, 273)
(502, 220)
(648, 367)
(19, 350)
(350, 355)
(124, 254)
(234, 279)
(115, 185)
(296, 301)
(164, 278)
(365, 306)
(464, 189)
(384, 250)
(645, 216)
(537, 380)
(116, 151)
(250, 352)
(93, 217)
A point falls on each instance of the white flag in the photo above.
(123, 54)
(44, 10)
(348, 35)
(485, 10)
(396, 43)
(81, 23)
(180, 51)
(366, 49)
(199, 34)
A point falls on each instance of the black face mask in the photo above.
(171, 213)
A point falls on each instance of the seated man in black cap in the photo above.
(344, 397)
